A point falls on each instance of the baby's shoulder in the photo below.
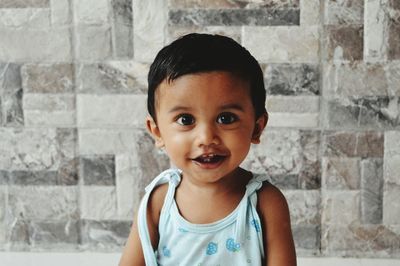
(156, 201)
(271, 200)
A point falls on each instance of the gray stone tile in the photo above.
(12, 106)
(94, 42)
(11, 95)
(364, 113)
(360, 240)
(371, 191)
(123, 28)
(341, 173)
(4, 177)
(67, 173)
(234, 17)
(343, 42)
(310, 174)
(24, 4)
(43, 202)
(53, 235)
(98, 170)
(344, 12)
(10, 77)
(178, 31)
(394, 35)
(292, 79)
(18, 235)
(37, 178)
(307, 238)
(233, 4)
(353, 144)
(48, 78)
(105, 235)
(289, 157)
(107, 78)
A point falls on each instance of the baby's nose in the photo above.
(207, 135)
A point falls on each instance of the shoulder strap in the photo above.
(171, 176)
(249, 202)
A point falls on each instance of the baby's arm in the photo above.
(133, 253)
(278, 240)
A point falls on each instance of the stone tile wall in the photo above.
(75, 156)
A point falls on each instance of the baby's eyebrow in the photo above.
(178, 108)
(232, 106)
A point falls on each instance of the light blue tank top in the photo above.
(234, 240)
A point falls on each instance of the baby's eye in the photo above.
(227, 118)
(185, 120)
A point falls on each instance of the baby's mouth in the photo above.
(209, 158)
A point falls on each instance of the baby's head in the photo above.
(201, 53)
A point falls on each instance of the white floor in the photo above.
(102, 259)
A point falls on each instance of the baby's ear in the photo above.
(259, 127)
(154, 131)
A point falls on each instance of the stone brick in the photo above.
(234, 17)
(48, 78)
(277, 44)
(391, 205)
(375, 30)
(178, 31)
(29, 18)
(29, 149)
(292, 79)
(360, 80)
(341, 173)
(280, 156)
(123, 28)
(50, 45)
(391, 167)
(127, 110)
(371, 191)
(233, 4)
(54, 235)
(344, 12)
(38, 178)
(394, 34)
(94, 42)
(310, 12)
(11, 95)
(98, 170)
(310, 174)
(49, 109)
(304, 120)
(150, 20)
(18, 235)
(307, 239)
(343, 43)
(60, 12)
(94, 12)
(4, 178)
(104, 235)
(12, 104)
(24, 3)
(355, 240)
(3, 196)
(98, 203)
(112, 77)
(56, 203)
(365, 113)
(353, 144)
(340, 207)
(304, 206)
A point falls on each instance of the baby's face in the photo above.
(206, 123)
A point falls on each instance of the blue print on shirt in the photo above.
(166, 252)
(212, 248)
(231, 245)
(256, 225)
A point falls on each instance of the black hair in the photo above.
(196, 53)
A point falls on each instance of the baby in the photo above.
(206, 104)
